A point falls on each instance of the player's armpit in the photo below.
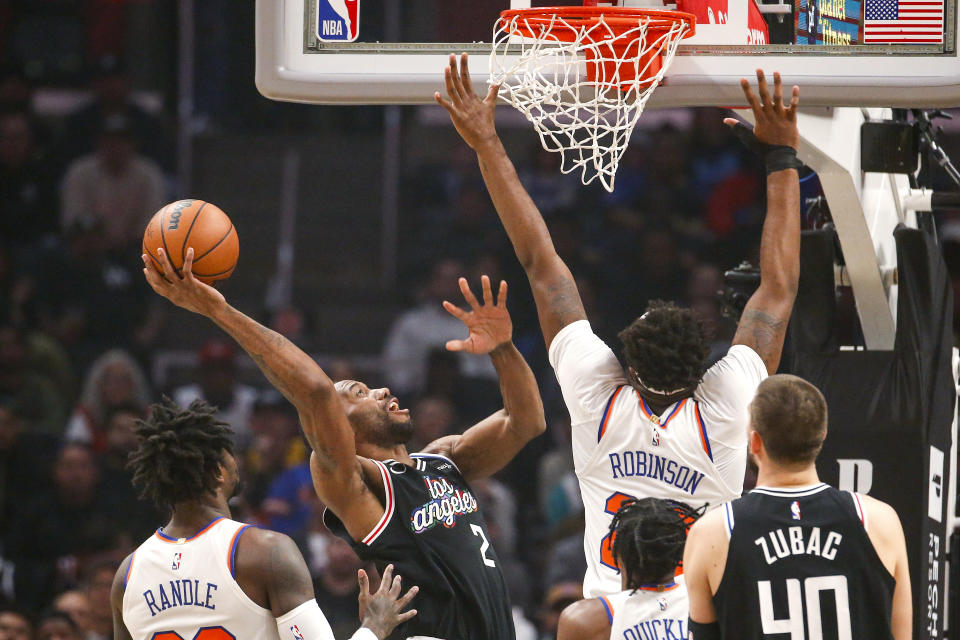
(354, 493)
(120, 631)
(584, 620)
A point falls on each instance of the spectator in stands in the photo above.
(140, 517)
(114, 380)
(427, 326)
(218, 385)
(336, 586)
(24, 463)
(56, 625)
(88, 299)
(111, 99)
(115, 184)
(76, 604)
(97, 582)
(559, 596)
(15, 625)
(287, 504)
(276, 445)
(37, 398)
(57, 533)
(703, 296)
(28, 207)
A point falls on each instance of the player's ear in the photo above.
(755, 443)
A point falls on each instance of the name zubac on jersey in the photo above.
(183, 593)
(628, 464)
(793, 541)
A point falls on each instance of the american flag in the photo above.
(903, 21)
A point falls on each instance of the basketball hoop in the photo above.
(584, 75)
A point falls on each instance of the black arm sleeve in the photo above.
(700, 631)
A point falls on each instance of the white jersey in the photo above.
(695, 452)
(649, 612)
(176, 588)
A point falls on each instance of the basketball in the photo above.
(198, 224)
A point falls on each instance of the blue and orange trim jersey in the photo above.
(177, 586)
(693, 450)
(653, 611)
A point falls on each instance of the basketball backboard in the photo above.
(393, 51)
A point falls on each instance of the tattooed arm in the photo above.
(554, 289)
(763, 325)
(338, 474)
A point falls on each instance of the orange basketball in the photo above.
(198, 224)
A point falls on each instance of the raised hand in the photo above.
(775, 121)
(381, 611)
(489, 323)
(181, 289)
(471, 116)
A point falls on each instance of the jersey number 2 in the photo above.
(613, 504)
(205, 633)
(478, 531)
(793, 623)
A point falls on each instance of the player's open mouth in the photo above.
(394, 407)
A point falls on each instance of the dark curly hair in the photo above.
(666, 347)
(180, 452)
(650, 536)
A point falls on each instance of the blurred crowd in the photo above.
(80, 334)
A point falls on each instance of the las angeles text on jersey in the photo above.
(183, 593)
(626, 464)
(796, 541)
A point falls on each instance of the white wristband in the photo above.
(306, 621)
(364, 634)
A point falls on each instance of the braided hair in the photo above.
(650, 536)
(665, 347)
(180, 452)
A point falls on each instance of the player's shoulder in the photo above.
(584, 619)
(879, 514)
(709, 525)
(262, 553)
(120, 580)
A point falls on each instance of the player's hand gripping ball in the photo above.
(198, 224)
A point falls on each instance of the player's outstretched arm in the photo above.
(298, 378)
(120, 631)
(488, 446)
(554, 289)
(763, 325)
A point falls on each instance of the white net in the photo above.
(583, 83)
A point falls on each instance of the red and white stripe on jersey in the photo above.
(388, 505)
(858, 506)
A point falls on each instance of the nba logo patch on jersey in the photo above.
(795, 510)
(176, 561)
(295, 630)
(656, 438)
(338, 20)
(662, 603)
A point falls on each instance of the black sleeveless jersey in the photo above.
(434, 535)
(800, 565)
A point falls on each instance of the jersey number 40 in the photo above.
(808, 598)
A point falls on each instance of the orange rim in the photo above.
(618, 19)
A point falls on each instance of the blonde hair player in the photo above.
(795, 553)
(663, 427)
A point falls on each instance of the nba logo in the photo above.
(176, 561)
(295, 630)
(338, 20)
(662, 603)
(656, 438)
(795, 510)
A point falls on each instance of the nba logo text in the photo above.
(176, 561)
(338, 20)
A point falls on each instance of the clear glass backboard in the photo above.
(888, 53)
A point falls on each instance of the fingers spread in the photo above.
(777, 91)
(794, 101)
(363, 581)
(502, 295)
(167, 268)
(468, 294)
(493, 93)
(407, 615)
(448, 81)
(443, 102)
(487, 292)
(465, 74)
(386, 578)
(751, 98)
(457, 93)
(762, 88)
(407, 597)
(455, 345)
(455, 311)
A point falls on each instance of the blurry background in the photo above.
(354, 223)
